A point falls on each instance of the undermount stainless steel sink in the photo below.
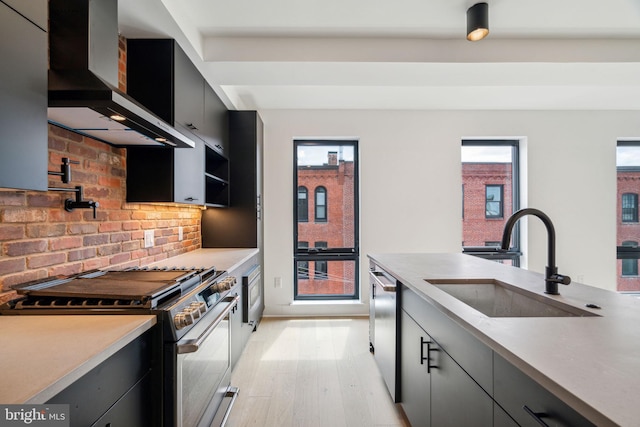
(494, 298)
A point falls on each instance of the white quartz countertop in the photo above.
(591, 363)
(222, 259)
(42, 355)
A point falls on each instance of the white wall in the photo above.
(410, 186)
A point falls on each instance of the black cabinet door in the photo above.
(415, 381)
(189, 174)
(215, 128)
(188, 93)
(23, 104)
(456, 399)
(528, 402)
(501, 418)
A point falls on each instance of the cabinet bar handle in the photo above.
(428, 358)
(536, 415)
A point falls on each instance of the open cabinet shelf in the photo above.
(216, 178)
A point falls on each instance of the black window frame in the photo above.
(627, 252)
(306, 204)
(319, 190)
(515, 251)
(320, 267)
(328, 254)
(629, 263)
(304, 264)
(500, 214)
(631, 211)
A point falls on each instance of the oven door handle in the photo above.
(192, 346)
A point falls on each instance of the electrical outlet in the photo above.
(148, 238)
(277, 282)
(180, 234)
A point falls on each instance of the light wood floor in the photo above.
(311, 372)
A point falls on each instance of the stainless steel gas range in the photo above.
(192, 305)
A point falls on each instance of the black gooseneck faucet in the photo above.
(552, 278)
(65, 177)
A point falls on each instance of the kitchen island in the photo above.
(40, 356)
(591, 362)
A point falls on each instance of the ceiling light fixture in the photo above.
(477, 22)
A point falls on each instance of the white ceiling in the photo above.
(404, 54)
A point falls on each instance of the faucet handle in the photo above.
(95, 205)
(559, 278)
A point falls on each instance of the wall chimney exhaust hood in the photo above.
(83, 79)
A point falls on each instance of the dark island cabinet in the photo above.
(23, 104)
(456, 399)
(123, 391)
(450, 378)
(239, 225)
(434, 389)
(528, 402)
(415, 378)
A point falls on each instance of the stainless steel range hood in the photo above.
(83, 79)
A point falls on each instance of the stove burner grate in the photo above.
(84, 303)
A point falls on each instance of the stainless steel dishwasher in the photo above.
(384, 327)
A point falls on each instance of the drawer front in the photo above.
(93, 394)
(525, 400)
(471, 354)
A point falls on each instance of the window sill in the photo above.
(327, 302)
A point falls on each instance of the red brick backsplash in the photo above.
(39, 239)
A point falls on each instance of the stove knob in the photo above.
(182, 320)
(194, 312)
(197, 308)
(200, 306)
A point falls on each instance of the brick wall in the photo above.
(39, 239)
(477, 229)
(337, 231)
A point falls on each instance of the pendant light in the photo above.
(477, 22)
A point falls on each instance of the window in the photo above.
(329, 168)
(627, 225)
(321, 204)
(490, 195)
(493, 201)
(629, 207)
(320, 270)
(630, 266)
(303, 204)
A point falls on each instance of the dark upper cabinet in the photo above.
(188, 94)
(161, 174)
(240, 225)
(23, 103)
(162, 78)
(215, 128)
